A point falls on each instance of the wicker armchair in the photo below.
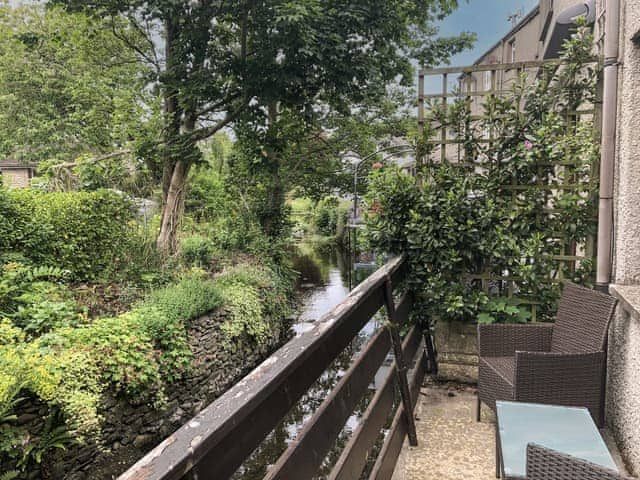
(561, 363)
(546, 464)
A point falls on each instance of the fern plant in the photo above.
(54, 436)
(33, 298)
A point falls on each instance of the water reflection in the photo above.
(325, 278)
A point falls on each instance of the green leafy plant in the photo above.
(86, 233)
(54, 435)
(193, 295)
(245, 311)
(503, 310)
(197, 250)
(33, 302)
(331, 217)
(462, 225)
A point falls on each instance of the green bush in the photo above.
(197, 250)
(190, 297)
(207, 199)
(34, 300)
(86, 233)
(330, 219)
(266, 293)
(459, 224)
(122, 351)
(445, 228)
(246, 313)
(325, 217)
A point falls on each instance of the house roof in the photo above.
(525, 20)
(14, 164)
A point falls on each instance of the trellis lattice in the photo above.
(469, 146)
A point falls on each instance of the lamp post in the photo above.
(403, 148)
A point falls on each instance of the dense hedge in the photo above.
(86, 233)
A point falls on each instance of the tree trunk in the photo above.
(174, 206)
(171, 115)
(174, 170)
(273, 220)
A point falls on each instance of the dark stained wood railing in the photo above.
(217, 441)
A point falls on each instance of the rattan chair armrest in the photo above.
(503, 340)
(547, 464)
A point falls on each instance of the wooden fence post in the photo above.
(401, 364)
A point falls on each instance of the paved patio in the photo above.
(451, 444)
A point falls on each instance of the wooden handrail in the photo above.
(218, 440)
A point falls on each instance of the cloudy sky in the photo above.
(488, 18)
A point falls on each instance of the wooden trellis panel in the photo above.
(474, 83)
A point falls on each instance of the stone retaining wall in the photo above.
(129, 431)
(457, 347)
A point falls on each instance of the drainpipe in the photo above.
(608, 145)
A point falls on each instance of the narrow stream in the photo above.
(325, 281)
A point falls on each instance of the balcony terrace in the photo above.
(451, 444)
(448, 442)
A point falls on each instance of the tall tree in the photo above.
(315, 156)
(252, 59)
(68, 86)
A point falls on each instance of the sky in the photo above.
(487, 18)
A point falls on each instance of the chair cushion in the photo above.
(495, 379)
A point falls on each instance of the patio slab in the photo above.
(451, 444)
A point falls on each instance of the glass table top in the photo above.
(569, 430)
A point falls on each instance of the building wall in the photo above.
(623, 385)
(527, 44)
(526, 40)
(18, 178)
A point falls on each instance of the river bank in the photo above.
(327, 275)
(326, 278)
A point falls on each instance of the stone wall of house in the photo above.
(129, 431)
(623, 384)
(17, 178)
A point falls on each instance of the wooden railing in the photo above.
(218, 440)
